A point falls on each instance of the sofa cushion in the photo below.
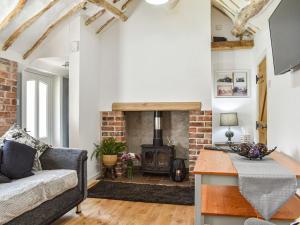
(17, 160)
(25, 194)
(4, 179)
(19, 135)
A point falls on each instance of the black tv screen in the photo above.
(285, 36)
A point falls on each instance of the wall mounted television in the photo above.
(285, 36)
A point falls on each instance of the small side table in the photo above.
(109, 170)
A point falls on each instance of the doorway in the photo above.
(261, 124)
(37, 105)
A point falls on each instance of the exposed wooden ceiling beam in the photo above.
(27, 24)
(113, 19)
(70, 13)
(18, 8)
(94, 17)
(124, 6)
(109, 7)
(108, 22)
(240, 23)
(115, 1)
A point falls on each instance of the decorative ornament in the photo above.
(252, 151)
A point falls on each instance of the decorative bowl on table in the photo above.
(252, 151)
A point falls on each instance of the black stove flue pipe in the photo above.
(157, 137)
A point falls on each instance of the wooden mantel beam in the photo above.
(240, 23)
(26, 24)
(112, 9)
(18, 8)
(153, 106)
(70, 13)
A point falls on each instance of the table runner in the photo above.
(264, 183)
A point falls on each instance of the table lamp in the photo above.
(229, 120)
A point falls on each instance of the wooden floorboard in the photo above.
(113, 212)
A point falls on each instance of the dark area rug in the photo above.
(143, 193)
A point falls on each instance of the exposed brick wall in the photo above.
(113, 125)
(200, 134)
(8, 94)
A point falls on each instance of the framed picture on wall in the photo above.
(232, 84)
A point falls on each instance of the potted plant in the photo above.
(108, 151)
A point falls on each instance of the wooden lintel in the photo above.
(112, 9)
(18, 8)
(159, 106)
(13, 37)
(231, 45)
(71, 12)
(251, 10)
(94, 17)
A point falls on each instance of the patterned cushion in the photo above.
(17, 134)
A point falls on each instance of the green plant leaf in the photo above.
(108, 146)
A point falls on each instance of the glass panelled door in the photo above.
(37, 105)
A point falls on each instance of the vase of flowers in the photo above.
(128, 158)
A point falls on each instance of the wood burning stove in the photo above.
(157, 158)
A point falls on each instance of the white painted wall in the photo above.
(57, 111)
(84, 92)
(283, 103)
(109, 69)
(232, 60)
(245, 107)
(161, 55)
(89, 118)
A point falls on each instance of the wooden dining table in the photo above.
(217, 197)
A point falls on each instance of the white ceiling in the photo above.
(31, 35)
(230, 7)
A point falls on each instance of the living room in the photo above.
(136, 112)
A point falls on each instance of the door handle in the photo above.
(258, 78)
(260, 125)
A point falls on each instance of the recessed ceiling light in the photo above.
(157, 2)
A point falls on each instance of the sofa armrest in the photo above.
(66, 158)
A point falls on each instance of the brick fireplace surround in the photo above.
(200, 131)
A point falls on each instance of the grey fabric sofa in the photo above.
(51, 210)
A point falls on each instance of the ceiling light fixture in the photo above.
(157, 2)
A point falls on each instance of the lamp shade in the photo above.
(229, 119)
